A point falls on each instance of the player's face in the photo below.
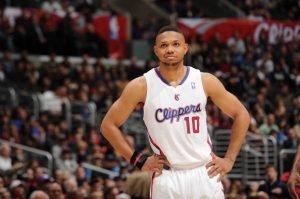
(170, 48)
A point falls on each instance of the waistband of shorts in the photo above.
(188, 167)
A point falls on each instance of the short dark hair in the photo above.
(270, 166)
(168, 28)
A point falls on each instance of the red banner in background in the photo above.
(275, 30)
(114, 30)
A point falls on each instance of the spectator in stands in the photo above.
(5, 30)
(2, 73)
(292, 140)
(5, 158)
(251, 190)
(152, 24)
(55, 191)
(104, 8)
(19, 156)
(97, 44)
(195, 43)
(81, 176)
(58, 175)
(191, 10)
(97, 195)
(236, 42)
(8, 64)
(137, 185)
(266, 63)
(5, 194)
(36, 37)
(29, 179)
(38, 134)
(40, 175)
(272, 186)
(53, 6)
(175, 7)
(138, 29)
(235, 80)
(39, 195)
(20, 118)
(17, 189)
(269, 126)
(70, 185)
(67, 161)
(111, 193)
(235, 190)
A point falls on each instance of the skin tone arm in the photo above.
(231, 106)
(133, 94)
(294, 178)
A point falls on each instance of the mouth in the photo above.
(169, 56)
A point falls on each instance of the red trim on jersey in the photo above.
(208, 142)
(154, 144)
(152, 182)
(137, 159)
(212, 155)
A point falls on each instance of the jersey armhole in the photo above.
(147, 94)
(202, 84)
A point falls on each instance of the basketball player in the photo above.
(294, 179)
(174, 98)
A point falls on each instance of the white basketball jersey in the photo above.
(175, 118)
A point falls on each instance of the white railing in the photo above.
(34, 151)
(282, 156)
(255, 154)
(85, 112)
(100, 170)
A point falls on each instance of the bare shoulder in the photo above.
(211, 83)
(138, 84)
(136, 88)
(207, 77)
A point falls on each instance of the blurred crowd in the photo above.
(61, 27)
(253, 9)
(181, 8)
(270, 9)
(266, 78)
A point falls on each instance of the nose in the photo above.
(170, 49)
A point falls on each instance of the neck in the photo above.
(173, 74)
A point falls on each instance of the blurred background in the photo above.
(64, 62)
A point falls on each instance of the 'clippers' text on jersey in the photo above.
(165, 114)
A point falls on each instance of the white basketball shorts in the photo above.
(186, 184)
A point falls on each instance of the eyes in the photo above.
(174, 44)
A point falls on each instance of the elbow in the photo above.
(243, 117)
(246, 117)
(103, 128)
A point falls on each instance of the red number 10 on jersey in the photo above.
(192, 123)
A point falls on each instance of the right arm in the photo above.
(134, 93)
(294, 178)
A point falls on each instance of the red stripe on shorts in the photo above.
(152, 182)
(154, 144)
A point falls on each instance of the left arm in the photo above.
(232, 107)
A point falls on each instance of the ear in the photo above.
(186, 46)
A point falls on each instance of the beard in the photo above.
(171, 64)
